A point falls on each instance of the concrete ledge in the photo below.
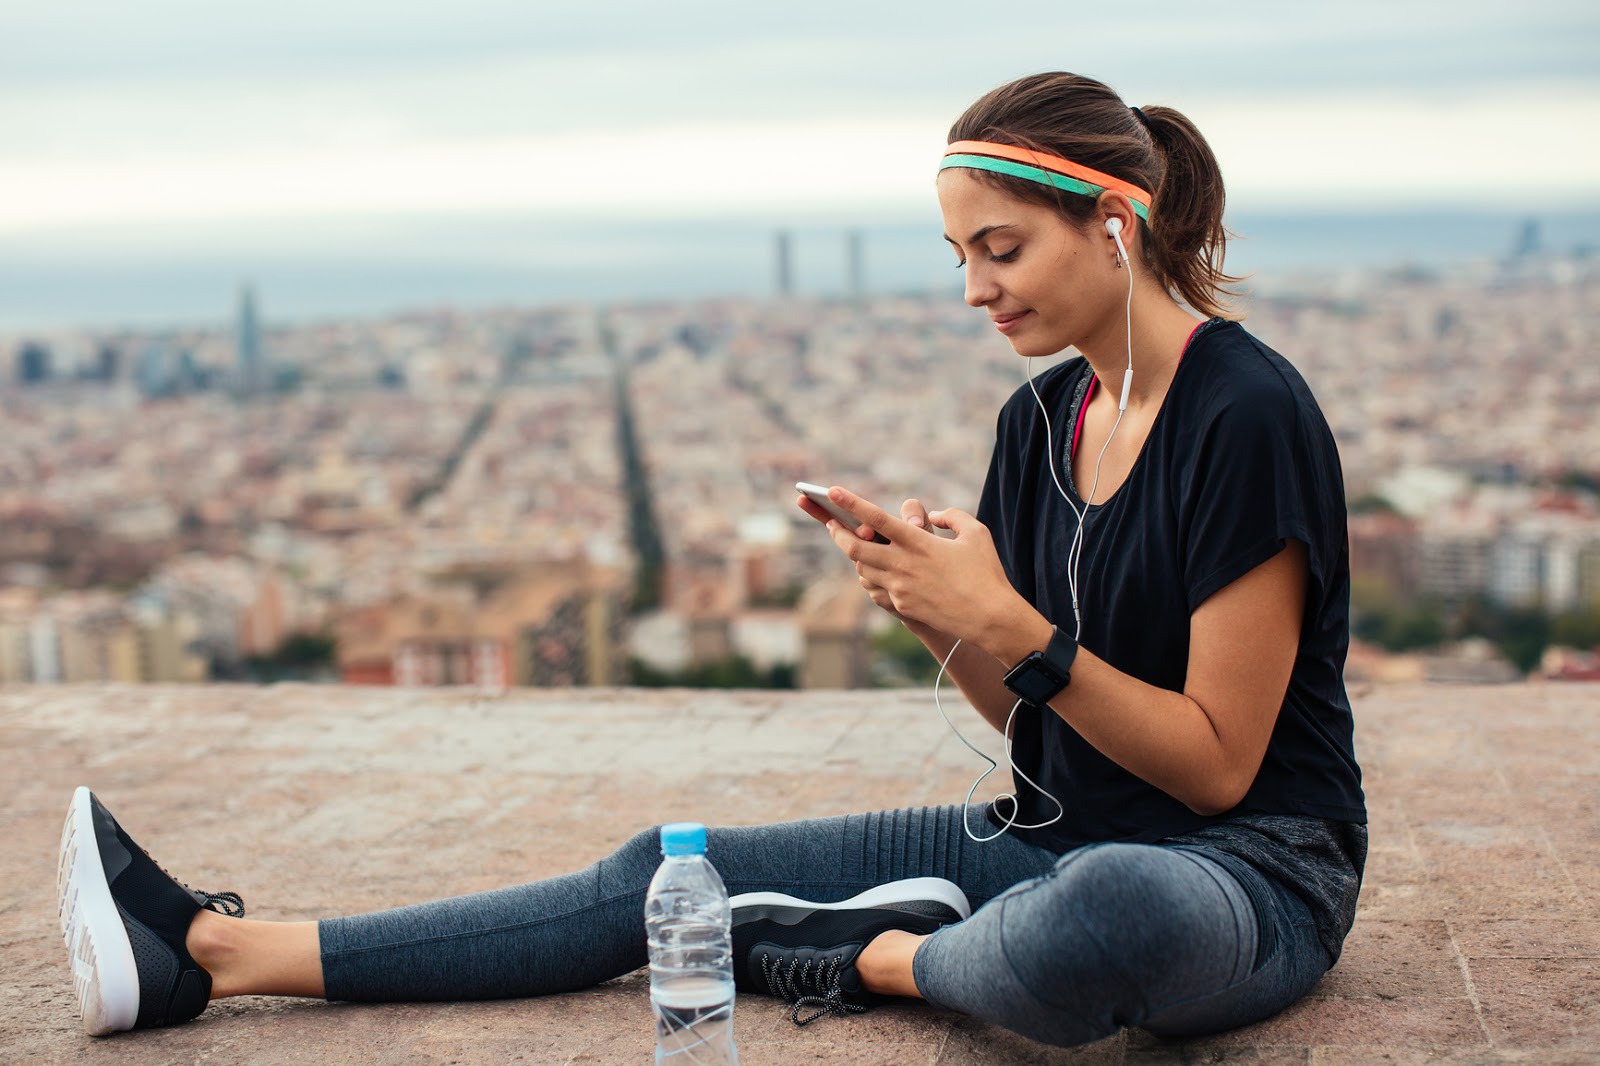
(1478, 940)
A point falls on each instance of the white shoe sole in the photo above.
(104, 973)
(934, 889)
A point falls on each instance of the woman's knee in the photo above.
(637, 857)
(1108, 915)
(1127, 893)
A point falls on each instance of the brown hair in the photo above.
(1083, 120)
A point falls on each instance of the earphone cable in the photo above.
(1074, 557)
(1016, 806)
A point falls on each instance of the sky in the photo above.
(183, 111)
(208, 138)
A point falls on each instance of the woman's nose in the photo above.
(980, 290)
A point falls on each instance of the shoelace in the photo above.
(808, 984)
(230, 904)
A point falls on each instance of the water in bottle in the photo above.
(687, 921)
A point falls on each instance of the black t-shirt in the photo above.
(1238, 460)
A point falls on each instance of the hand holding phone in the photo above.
(818, 495)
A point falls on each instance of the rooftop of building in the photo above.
(1478, 938)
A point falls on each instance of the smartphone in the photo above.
(818, 494)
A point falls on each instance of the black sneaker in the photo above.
(805, 952)
(124, 920)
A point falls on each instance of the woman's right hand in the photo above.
(912, 513)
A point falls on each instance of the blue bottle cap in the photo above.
(683, 838)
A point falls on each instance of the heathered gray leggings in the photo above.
(1063, 949)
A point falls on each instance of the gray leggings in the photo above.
(1063, 949)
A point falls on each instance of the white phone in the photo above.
(818, 495)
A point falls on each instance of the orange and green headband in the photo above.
(1049, 170)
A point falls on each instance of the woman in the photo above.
(1151, 602)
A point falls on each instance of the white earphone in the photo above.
(1114, 227)
(1074, 556)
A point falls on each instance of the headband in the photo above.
(1049, 170)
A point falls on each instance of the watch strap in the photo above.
(1040, 676)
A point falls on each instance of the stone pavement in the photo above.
(1478, 939)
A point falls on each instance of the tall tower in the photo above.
(1527, 244)
(34, 364)
(248, 344)
(855, 273)
(785, 275)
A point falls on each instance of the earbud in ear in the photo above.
(1114, 230)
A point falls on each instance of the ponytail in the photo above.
(1187, 242)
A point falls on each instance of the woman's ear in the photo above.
(1120, 221)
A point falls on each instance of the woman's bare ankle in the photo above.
(213, 942)
(885, 963)
(251, 958)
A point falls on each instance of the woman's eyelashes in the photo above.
(1001, 257)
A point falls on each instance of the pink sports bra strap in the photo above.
(1083, 408)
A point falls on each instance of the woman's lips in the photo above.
(1006, 323)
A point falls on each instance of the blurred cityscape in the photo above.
(577, 495)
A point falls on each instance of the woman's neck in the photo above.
(1160, 330)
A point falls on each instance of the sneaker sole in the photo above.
(893, 894)
(104, 973)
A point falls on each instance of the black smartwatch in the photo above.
(1038, 678)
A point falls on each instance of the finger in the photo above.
(953, 519)
(912, 513)
(872, 573)
(810, 508)
(879, 597)
(869, 513)
(844, 539)
(816, 511)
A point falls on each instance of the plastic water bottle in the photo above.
(688, 923)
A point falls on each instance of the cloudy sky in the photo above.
(186, 112)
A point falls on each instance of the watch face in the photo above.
(1035, 680)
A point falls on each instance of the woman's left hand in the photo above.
(956, 585)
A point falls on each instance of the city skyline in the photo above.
(145, 502)
(366, 268)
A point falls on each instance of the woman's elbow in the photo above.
(1219, 794)
(1209, 808)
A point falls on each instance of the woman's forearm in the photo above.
(1202, 746)
(1116, 713)
(976, 673)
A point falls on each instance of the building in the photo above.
(1386, 548)
(100, 647)
(93, 636)
(1588, 566)
(784, 254)
(34, 365)
(707, 607)
(1455, 564)
(247, 341)
(549, 625)
(238, 608)
(834, 621)
(17, 609)
(1516, 570)
(855, 267)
